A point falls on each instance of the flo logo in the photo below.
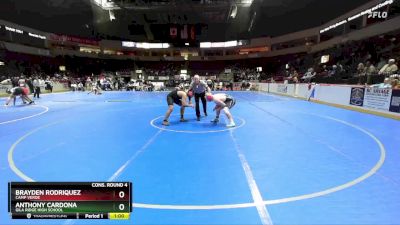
(379, 15)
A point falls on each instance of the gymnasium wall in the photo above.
(379, 101)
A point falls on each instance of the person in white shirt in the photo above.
(309, 75)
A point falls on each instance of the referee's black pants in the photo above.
(37, 92)
(201, 96)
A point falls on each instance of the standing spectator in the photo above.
(230, 85)
(14, 82)
(370, 70)
(381, 64)
(41, 84)
(22, 81)
(294, 77)
(29, 82)
(210, 84)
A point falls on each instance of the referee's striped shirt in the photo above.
(199, 88)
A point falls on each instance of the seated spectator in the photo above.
(333, 72)
(130, 86)
(339, 67)
(294, 77)
(48, 85)
(74, 87)
(150, 86)
(386, 84)
(80, 87)
(360, 70)
(389, 68)
(395, 84)
(249, 86)
(6, 82)
(370, 70)
(243, 85)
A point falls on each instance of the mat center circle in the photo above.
(193, 126)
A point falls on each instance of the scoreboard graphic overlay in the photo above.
(66, 200)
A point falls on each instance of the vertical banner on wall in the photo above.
(377, 98)
(192, 32)
(395, 101)
(173, 32)
(357, 96)
(184, 32)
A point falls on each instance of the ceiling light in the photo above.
(112, 16)
(234, 9)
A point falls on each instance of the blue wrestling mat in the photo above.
(287, 162)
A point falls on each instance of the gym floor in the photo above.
(288, 161)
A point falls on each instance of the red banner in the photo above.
(173, 32)
(192, 33)
(65, 38)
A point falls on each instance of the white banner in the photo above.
(377, 98)
(286, 89)
(304, 90)
(282, 88)
(163, 78)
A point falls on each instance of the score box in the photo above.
(91, 216)
(38, 199)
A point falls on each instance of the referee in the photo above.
(199, 89)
